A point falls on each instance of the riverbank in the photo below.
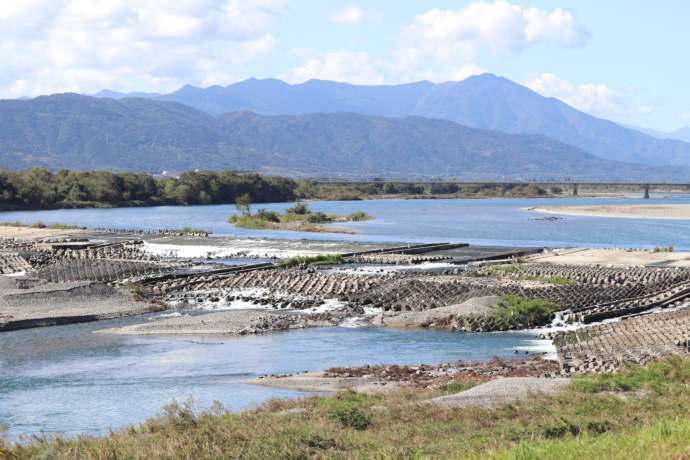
(637, 211)
(639, 414)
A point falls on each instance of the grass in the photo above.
(516, 312)
(323, 259)
(188, 230)
(359, 216)
(589, 419)
(65, 227)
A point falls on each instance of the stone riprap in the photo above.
(638, 340)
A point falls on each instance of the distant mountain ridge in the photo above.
(137, 134)
(682, 134)
(482, 101)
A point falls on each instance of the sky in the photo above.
(626, 61)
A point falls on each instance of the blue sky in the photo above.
(624, 61)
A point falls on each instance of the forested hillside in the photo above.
(134, 134)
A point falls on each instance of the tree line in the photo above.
(40, 188)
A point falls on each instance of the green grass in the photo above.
(187, 230)
(245, 221)
(515, 312)
(65, 227)
(358, 217)
(322, 259)
(589, 419)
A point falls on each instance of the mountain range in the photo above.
(482, 101)
(142, 134)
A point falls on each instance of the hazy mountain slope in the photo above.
(488, 101)
(85, 133)
(273, 96)
(352, 143)
(482, 101)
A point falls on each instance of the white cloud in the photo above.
(645, 109)
(505, 28)
(179, 41)
(353, 16)
(354, 67)
(596, 99)
(684, 115)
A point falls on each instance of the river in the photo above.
(68, 380)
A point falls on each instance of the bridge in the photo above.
(505, 184)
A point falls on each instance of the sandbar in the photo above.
(29, 302)
(636, 211)
(29, 233)
(222, 323)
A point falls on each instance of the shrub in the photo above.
(359, 216)
(351, 417)
(515, 311)
(299, 209)
(269, 216)
(317, 218)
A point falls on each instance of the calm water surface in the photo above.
(487, 222)
(70, 380)
(66, 379)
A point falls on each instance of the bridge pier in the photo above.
(646, 191)
(574, 189)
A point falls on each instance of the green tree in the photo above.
(243, 204)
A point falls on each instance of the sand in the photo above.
(613, 257)
(500, 390)
(487, 394)
(637, 211)
(316, 382)
(26, 233)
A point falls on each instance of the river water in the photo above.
(67, 379)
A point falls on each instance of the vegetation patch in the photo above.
(324, 259)
(297, 218)
(190, 230)
(65, 227)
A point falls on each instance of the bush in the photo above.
(269, 216)
(515, 311)
(300, 209)
(318, 217)
(351, 417)
(359, 216)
